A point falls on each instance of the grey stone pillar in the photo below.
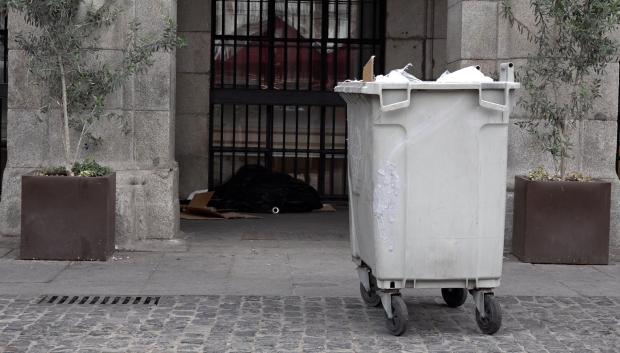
(479, 35)
(193, 83)
(416, 33)
(143, 157)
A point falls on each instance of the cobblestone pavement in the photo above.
(305, 324)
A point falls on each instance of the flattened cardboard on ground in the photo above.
(198, 209)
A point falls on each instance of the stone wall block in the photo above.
(153, 88)
(16, 25)
(598, 148)
(195, 57)
(439, 57)
(113, 37)
(440, 19)
(406, 19)
(10, 208)
(606, 107)
(153, 139)
(399, 52)
(194, 15)
(192, 136)
(192, 95)
(454, 32)
(116, 147)
(23, 90)
(162, 212)
(524, 153)
(194, 173)
(152, 14)
(27, 142)
(479, 31)
(510, 43)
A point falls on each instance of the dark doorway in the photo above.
(274, 66)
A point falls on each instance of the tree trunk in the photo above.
(65, 114)
(563, 148)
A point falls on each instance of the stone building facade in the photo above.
(166, 154)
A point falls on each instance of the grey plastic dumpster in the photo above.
(427, 188)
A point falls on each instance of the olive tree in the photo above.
(61, 48)
(563, 77)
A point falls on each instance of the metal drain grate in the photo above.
(98, 300)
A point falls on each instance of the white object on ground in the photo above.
(191, 196)
(465, 75)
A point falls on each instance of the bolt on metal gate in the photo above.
(274, 65)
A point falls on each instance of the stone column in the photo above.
(193, 83)
(142, 153)
(479, 35)
(416, 33)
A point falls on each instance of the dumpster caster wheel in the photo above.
(397, 325)
(371, 297)
(493, 318)
(454, 297)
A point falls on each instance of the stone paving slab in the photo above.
(305, 324)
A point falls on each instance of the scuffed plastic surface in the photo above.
(385, 202)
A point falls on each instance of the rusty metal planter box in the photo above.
(67, 218)
(561, 222)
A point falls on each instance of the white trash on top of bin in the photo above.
(427, 187)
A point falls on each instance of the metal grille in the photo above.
(274, 65)
(3, 91)
(97, 300)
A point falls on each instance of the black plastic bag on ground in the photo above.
(257, 189)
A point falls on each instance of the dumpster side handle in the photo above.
(395, 106)
(504, 108)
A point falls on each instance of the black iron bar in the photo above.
(336, 36)
(247, 127)
(321, 183)
(301, 40)
(324, 39)
(309, 108)
(338, 152)
(333, 148)
(365, 18)
(221, 142)
(298, 44)
(349, 21)
(211, 106)
(234, 84)
(285, 72)
(360, 25)
(260, 47)
(222, 46)
(284, 116)
(345, 167)
(248, 46)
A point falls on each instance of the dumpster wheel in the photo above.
(492, 321)
(397, 325)
(454, 297)
(370, 297)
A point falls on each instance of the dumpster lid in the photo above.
(376, 87)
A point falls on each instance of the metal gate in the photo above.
(4, 50)
(274, 65)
